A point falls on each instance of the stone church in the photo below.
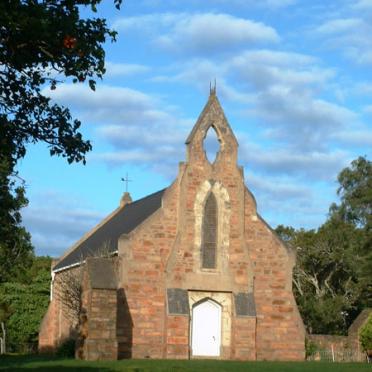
(191, 271)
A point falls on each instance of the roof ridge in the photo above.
(145, 197)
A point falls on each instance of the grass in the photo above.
(52, 364)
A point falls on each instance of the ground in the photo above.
(46, 364)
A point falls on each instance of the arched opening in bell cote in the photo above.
(211, 145)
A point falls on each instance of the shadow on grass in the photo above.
(45, 363)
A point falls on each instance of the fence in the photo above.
(346, 355)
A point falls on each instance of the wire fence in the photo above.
(346, 355)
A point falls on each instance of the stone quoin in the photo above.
(191, 271)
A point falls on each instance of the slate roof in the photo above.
(108, 233)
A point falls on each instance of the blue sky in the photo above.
(294, 79)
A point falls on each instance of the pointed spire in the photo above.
(215, 112)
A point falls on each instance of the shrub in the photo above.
(310, 347)
(66, 349)
(365, 334)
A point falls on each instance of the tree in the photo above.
(332, 276)
(16, 250)
(42, 44)
(23, 304)
(324, 278)
(355, 191)
(355, 208)
(365, 335)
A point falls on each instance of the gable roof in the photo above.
(106, 234)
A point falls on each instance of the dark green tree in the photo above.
(42, 43)
(16, 251)
(24, 303)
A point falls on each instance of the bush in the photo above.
(365, 334)
(310, 347)
(66, 349)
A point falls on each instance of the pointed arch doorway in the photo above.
(206, 329)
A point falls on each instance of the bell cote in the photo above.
(212, 123)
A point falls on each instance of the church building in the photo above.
(191, 271)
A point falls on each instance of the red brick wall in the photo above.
(244, 338)
(280, 331)
(100, 342)
(55, 327)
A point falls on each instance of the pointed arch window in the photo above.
(209, 233)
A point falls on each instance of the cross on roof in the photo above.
(126, 180)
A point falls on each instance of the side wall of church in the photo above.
(280, 331)
(58, 322)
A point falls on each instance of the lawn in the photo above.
(45, 364)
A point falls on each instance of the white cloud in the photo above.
(56, 221)
(362, 88)
(124, 69)
(336, 26)
(304, 122)
(206, 33)
(199, 71)
(108, 104)
(200, 33)
(286, 88)
(363, 5)
(283, 200)
(281, 70)
(278, 188)
(279, 3)
(284, 161)
(358, 138)
(351, 36)
(130, 122)
(240, 4)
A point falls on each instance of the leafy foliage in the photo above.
(332, 276)
(365, 334)
(24, 303)
(355, 192)
(15, 244)
(42, 44)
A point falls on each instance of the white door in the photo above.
(206, 329)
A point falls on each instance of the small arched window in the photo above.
(211, 145)
(209, 233)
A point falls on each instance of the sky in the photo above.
(293, 77)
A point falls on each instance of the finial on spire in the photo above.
(126, 180)
(212, 90)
